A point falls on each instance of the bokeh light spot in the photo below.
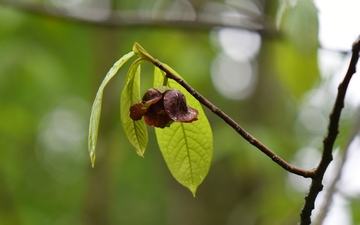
(233, 79)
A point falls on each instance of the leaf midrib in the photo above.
(188, 153)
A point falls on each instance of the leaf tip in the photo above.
(193, 190)
(92, 157)
(138, 49)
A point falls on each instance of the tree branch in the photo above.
(247, 136)
(331, 190)
(133, 19)
(328, 143)
(333, 129)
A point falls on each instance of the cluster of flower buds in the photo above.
(161, 106)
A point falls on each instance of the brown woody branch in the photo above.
(247, 136)
(328, 143)
(332, 189)
(316, 174)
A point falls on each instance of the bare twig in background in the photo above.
(331, 190)
(132, 19)
(328, 143)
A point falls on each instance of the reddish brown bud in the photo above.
(175, 106)
(160, 109)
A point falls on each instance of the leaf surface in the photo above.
(186, 147)
(96, 107)
(293, 66)
(135, 131)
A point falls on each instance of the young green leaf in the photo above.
(135, 131)
(96, 107)
(142, 52)
(186, 147)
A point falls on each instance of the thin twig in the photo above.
(328, 143)
(252, 140)
(332, 187)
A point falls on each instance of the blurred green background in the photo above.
(50, 69)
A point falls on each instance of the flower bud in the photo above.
(161, 106)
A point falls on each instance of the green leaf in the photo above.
(186, 147)
(284, 5)
(96, 107)
(159, 77)
(298, 72)
(138, 49)
(135, 131)
(301, 26)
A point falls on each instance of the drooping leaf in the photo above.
(96, 107)
(135, 131)
(186, 147)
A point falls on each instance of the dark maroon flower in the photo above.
(161, 106)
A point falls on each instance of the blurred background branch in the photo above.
(243, 18)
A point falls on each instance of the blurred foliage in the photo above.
(49, 73)
(296, 53)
